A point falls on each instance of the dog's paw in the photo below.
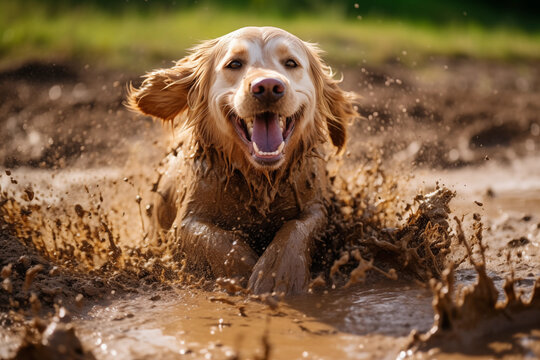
(238, 262)
(280, 270)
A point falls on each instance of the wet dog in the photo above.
(245, 192)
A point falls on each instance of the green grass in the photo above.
(137, 40)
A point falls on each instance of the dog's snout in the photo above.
(267, 89)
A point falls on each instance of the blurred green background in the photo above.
(136, 34)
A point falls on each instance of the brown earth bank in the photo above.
(77, 168)
(444, 114)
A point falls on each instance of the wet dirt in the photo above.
(71, 226)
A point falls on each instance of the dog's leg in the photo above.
(226, 253)
(164, 200)
(284, 266)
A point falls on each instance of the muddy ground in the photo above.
(79, 281)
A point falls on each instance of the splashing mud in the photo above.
(73, 253)
(416, 249)
(57, 254)
(470, 319)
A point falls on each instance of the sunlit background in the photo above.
(137, 33)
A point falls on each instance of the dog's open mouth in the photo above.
(266, 133)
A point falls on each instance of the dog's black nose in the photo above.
(267, 89)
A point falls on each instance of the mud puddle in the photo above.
(363, 321)
(359, 322)
(354, 323)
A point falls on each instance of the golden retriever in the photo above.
(245, 192)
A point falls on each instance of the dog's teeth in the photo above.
(281, 123)
(250, 130)
(272, 153)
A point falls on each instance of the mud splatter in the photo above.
(53, 254)
(366, 235)
(55, 340)
(469, 319)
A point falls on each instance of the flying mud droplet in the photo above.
(29, 194)
(7, 285)
(6, 271)
(35, 304)
(317, 283)
(79, 210)
(79, 300)
(231, 286)
(55, 92)
(31, 274)
(522, 241)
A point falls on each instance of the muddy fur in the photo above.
(233, 209)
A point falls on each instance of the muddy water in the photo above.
(361, 322)
(354, 323)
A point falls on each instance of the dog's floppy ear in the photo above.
(166, 93)
(163, 93)
(334, 104)
(341, 110)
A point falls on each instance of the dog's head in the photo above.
(260, 92)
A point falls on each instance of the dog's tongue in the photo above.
(266, 132)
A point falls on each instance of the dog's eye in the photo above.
(235, 64)
(291, 63)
